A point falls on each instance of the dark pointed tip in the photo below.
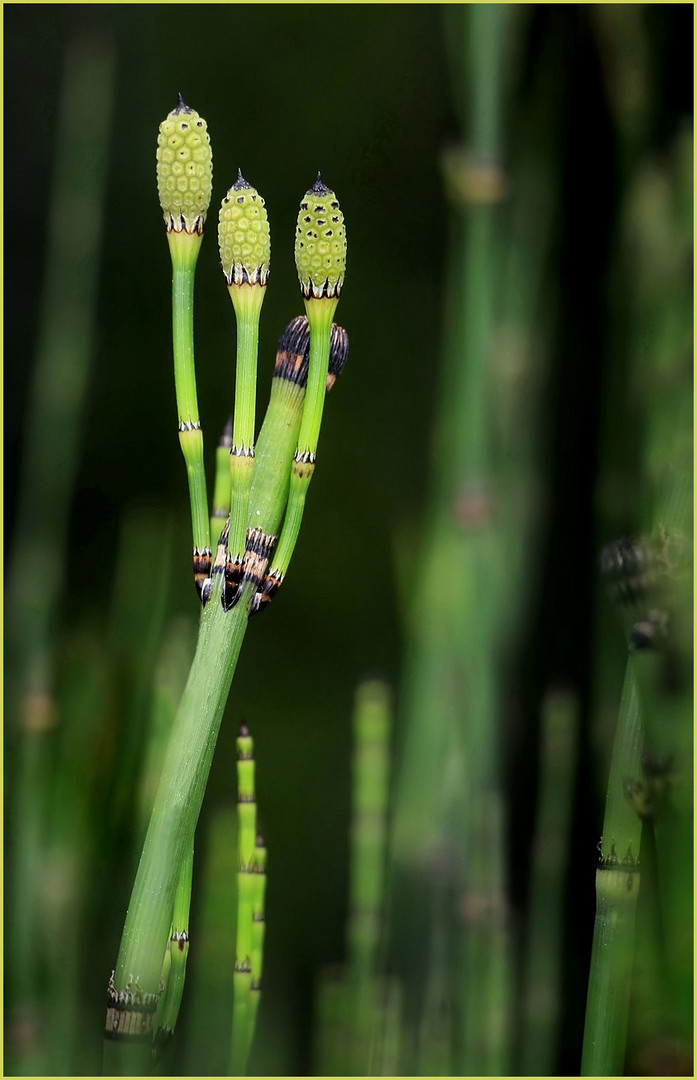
(244, 731)
(181, 105)
(260, 840)
(240, 182)
(319, 188)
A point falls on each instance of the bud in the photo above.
(320, 243)
(243, 235)
(184, 169)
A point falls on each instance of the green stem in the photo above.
(222, 485)
(247, 300)
(192, 742)
(53, 430)
(617, 888)
(246, 896)
(176, 956)
(320, 313)
(184, 248)
(258, 935)
(542, 996)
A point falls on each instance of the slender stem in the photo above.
(258, 923)
(53, 430)
(176, 956)
(320, 313)
(247, 300)
(184, 248)
(246, 895)
(258, 933)
(222, 485)
(372, 724)
(542, 998)
(617, 887)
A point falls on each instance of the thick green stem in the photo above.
(320, 313)
(180, 795)
(192, 742)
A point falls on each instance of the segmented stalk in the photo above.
(258, 932)
(184, 180)
(617, 890)
(242, 1030)
(245, 251)
(372, 724)
(320, 258)
(296, 368)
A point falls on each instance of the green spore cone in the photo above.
(320, 242)
(184, 169)
(244, 238)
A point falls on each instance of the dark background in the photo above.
(363, 93)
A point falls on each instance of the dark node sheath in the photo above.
(233, 577)
(202, 573)
(263, 596)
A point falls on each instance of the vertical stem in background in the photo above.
(449, 827)
(542, 972)
(372, 733)
(617, 891)
(54, 428)
(663, 310)
(356, 1007)
(246, 888)
(258, 932)
(209, 994)
(651, 346)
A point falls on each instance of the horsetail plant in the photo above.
(184, 181)
(245, 251)
(258, 929)
(358, 1006)
(320, 259)
(244, 1014)
(284, 415)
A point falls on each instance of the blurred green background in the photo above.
(370, 95)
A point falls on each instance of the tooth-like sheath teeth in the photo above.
(202, 573)
(258, 549)
(264, 595)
